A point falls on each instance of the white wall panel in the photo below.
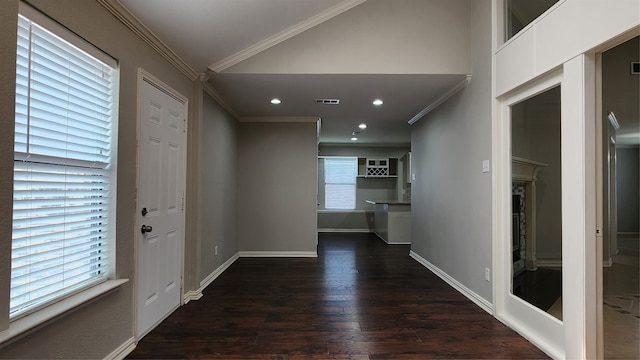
(570, 29)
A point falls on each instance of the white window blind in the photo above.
(63, 127)
(340, 183)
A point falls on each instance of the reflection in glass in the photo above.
(536, 202)
(520, 13)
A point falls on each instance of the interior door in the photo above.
(160, 205)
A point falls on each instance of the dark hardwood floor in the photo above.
(360, 299)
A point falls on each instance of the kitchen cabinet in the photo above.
(378, 167)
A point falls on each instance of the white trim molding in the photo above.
(547, 263)
(191, 295)
(329, 230)
(459, 86)
(123, 350)
(217, 272)
(279, 119)
(284, 35)
(123, 14)
(470, 294)
(248, 254)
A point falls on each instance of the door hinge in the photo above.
(184, 128)
(182, 202)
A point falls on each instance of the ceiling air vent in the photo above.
(328, 101)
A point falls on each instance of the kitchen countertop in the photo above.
(388, 202)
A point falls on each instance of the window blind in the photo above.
(340, 183)
(63, 125)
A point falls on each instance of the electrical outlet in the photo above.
(216, 249)
(485, 166)
(487, 274)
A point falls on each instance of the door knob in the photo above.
(146, 229)
(144, 212)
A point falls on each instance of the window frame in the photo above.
(352, 184)
(13, 327)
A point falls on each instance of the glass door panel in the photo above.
(536, 211)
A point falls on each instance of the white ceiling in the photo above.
(207, 33)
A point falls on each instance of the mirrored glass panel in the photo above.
(520, 13)
(621, 200)
(536, 216)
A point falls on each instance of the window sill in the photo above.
(32, 321)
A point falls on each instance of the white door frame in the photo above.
(540, 328)
(143, 76)
(575, 335)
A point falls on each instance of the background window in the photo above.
(63, 166)
(340, 183)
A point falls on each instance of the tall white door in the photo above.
(160, 205)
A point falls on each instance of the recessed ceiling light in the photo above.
(275, 101)
(377, 102)
(362, 126)
(354, 139)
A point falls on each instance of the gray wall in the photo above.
(277, 186)
(536, 136)
(218, 187)
(628, 187)
(97, 329)
(451, 197)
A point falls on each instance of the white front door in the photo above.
(160, 204)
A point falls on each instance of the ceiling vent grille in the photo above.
(328, 101)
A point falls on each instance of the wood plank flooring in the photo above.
(360, 299)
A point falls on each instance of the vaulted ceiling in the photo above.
(407, 53)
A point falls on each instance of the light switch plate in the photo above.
(485, 166)
(413, 177)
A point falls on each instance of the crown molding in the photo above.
(280, 119)
(125, 16)
(284, 35)
(461, 85)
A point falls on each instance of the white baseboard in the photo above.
(278, 254)
(217, 272)
(549, 263)
(191, 295)
(327, 230)
(477, 299)
(123, 350)
(516, 325)
(392, 243)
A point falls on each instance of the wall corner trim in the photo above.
(123, 350)
(278, 254)
(337, 230)
(197, 294)
(477, 299)
(123, 14)
(191, 295)
(461, 85)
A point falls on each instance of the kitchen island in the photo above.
(392, 220)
